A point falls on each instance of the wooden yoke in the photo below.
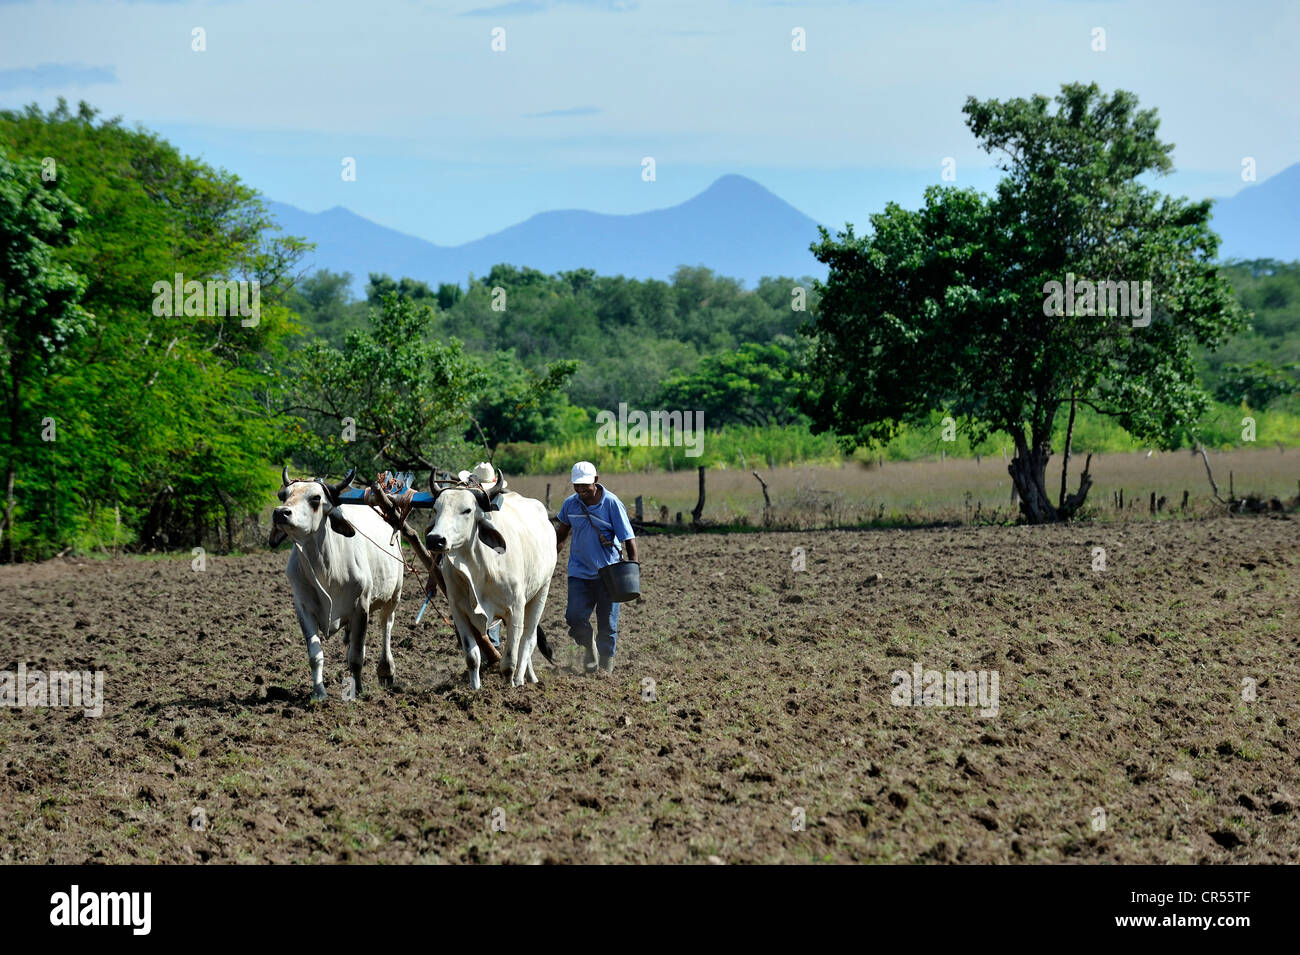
(378, 497)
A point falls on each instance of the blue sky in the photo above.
(454, 141)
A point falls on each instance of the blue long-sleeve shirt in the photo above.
(586, 553)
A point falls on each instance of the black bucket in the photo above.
(622, 580)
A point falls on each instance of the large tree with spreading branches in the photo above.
(1077, 283)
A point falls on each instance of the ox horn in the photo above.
(337, 489)
(435, 481)
(284, 483)
(484, 495)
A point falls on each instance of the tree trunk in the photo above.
(54, 504)
(11, 469)
(698, 511)
(1028, 470)
(1065, 457)
(8, 513)
(226, 501)
(152, 532)
(1073, 502)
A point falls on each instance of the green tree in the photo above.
(381, 285)
(448, 295)
(39, 311)
(946, 307)
(757, 384)
(162, 419)
(1270, 290)
(324, 304)
(1257, 383)
(520, 404)
(392, 397)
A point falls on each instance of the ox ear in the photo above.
(277, 537)
(488, 534)
(340, 524)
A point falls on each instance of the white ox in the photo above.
(495, 563)
(340, 579)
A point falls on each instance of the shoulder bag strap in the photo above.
(602, 537)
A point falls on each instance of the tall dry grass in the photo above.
(956, 489)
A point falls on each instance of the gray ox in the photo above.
(496, 562)
(340, 579)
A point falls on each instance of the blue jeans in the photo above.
(585, 596)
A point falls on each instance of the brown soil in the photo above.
(1121, 693)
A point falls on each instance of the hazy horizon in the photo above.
(454, 142)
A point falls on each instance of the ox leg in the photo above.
(315, 653)
(532, 617)
(513, 663)
(386, 668)
(357, 646)
(465, 633)
(509, 646)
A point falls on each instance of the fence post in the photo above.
(548, 497)
(767, 501)
(639, 515)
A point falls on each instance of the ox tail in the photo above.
(543, 645)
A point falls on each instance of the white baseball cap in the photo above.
(584, 472)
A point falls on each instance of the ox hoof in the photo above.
(318, 694)
(473, 680)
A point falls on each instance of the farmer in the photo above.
(591, 508)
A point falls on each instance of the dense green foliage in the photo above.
(161, 420)
(1262, 364)
(391, 398)
(629, 335)
(39, 312)
(754, 385)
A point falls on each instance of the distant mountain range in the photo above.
(735, 227)
(1263, 220)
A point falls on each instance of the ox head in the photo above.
(304, 505)
(462, 510)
